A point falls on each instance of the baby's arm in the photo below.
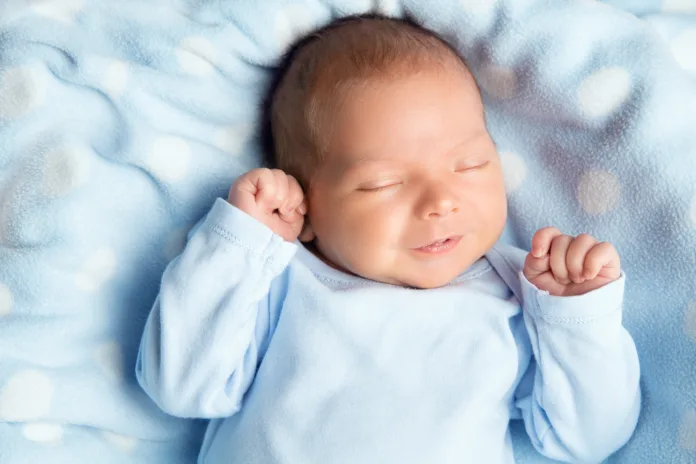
(580, 399)
(215, 312)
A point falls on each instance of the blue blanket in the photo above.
(121, 121)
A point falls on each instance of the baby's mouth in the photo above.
(440, 246)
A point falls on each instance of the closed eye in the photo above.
(465, 167)
(377, 187)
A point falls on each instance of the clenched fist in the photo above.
(273, 198)
(567, 266)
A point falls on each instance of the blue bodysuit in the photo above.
(297, 362)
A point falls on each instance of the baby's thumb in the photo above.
(534, 267)
(290, 225)
(291, 217)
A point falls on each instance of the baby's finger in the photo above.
(302, 209)
(575, 259)
(294, 198)
(281, 180)
(266, 190)
(289, 217)
(292, 224)
(534, 267)
(604, 258)
(541, 242)
(559, 250)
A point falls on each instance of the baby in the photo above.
(396, 330)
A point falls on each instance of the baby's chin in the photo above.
(429, 277)
(426, 282)
(422, 279)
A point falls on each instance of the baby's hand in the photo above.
(272, 197)
(566, 266)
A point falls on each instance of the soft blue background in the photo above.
(121, 121)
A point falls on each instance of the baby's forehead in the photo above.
(459, 146)
(388, 107)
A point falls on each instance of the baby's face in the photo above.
(411, 192)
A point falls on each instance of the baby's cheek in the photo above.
(373, 233)
(371, 229)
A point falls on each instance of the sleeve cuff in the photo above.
(573, 309)
(237, 227)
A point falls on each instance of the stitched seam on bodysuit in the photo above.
(231, 238)
(224, 233)
(577, 320)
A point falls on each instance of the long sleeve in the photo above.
(580, 396)
(212, 319)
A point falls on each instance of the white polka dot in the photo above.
(604, 91)
(679, 6)
(687, 431)
(478, 6)
(169, 158)
(109, 356)
(115, 78)
(292, 22)
(122, 442)
(233, 138)
(356, 7)
(498, 81)
(388, 7)
(6, 300)
(598, 192)
(43, 432)
(693, 211)
(196, 55)
(99, 267)
(684, 48)
(65, 169)
(514, 170)
(26, 396)
(21, 90)
(175, 243)
(60, 10)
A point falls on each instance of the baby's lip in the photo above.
(440, 245)
(433, 240)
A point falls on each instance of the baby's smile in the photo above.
(440, 247)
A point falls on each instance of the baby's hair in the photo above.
(321, 68)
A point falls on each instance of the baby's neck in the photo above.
(312, 248)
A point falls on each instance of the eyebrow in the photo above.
(367, 159)
(474, 138)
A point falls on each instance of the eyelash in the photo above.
(469, 168)
(376, 189)
(383, 187)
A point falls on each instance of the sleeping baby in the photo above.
(396, 329)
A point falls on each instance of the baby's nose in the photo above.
(439, 201)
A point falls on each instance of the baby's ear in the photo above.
(307, 234)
